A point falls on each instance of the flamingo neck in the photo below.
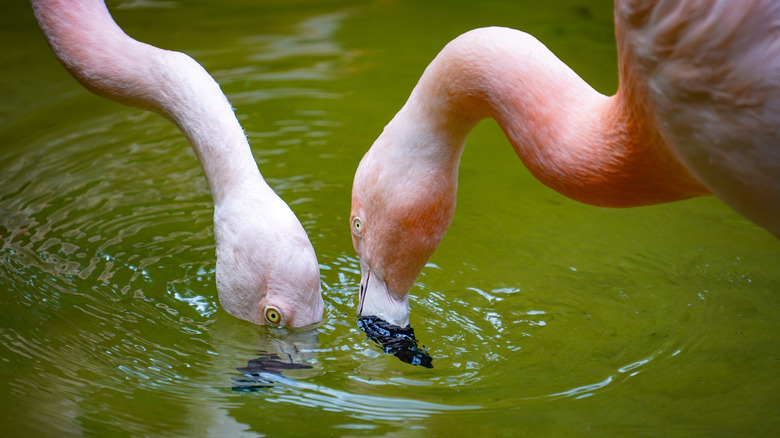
(589, 147)
(95, 50)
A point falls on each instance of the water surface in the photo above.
(543, 316)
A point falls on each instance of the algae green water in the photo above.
(544, 317)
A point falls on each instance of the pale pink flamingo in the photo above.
(697, 112)
(267, 270)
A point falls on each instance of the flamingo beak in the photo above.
(376, 299)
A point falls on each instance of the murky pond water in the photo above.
(543, 316)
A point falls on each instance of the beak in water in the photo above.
(376, 299)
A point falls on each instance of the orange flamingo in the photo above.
(267, 270)
(697, 112)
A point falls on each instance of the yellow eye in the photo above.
(357, 225)
(273, 315)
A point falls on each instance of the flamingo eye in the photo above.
(273, 315)
(357, 225)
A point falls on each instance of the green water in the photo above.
(544, 317)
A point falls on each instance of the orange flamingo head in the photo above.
(401, 209)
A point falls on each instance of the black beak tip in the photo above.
(395, 340)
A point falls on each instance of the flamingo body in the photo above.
(267, 270)
(696, 113)
(710, 72)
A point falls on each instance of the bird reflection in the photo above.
(276, 355)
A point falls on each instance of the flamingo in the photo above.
(267, 271)
(697, 112)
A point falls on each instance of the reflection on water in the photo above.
(263, 371)
(544, 316)
(283, 351)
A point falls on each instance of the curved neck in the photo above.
(595, 149)
(95, 50)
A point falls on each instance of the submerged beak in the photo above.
(376, 299)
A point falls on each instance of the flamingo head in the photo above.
(267, 271)
(399, 215)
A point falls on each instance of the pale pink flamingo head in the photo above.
(267, 271)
